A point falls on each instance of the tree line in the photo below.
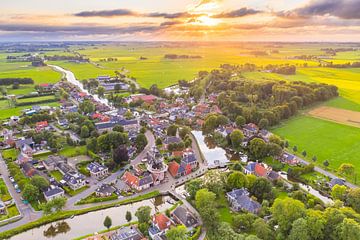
(9, 81)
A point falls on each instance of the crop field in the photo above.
(338, 115)
(326, 140)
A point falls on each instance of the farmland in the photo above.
(326, 140)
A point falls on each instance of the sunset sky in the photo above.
(180, 20)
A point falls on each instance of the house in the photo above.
(250, 129)
(127, 233)
(137, 183)
(8, 137)
(26, 150)
(336, 181)
(160, 224)
(149, 99)
(28, 141)
(250, 168)
(289, 159)
(189, 158)
(96, 170)
(2, 208)
(23, 158)
(182, 215)
(240, 201)
(52, 161)
(176, 170)
(103, 78)
(54, 192)
(261, 170)
(105, 190)
(41, 125)
(63, 122)
(171, 140)
(74, 179)
(28, 169)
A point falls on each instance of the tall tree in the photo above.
(299, 230)
(120, 154)
(177, 233)
(236, 139)
(128, 216)
(107, 222)
(236, 180)
(143, 214)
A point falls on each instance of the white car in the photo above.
(12, 179)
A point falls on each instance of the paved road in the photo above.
(326, 173)
(71, 201)
(28, 214)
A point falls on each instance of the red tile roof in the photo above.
(177, 153)
(130, 179)
(173, 168)
(260, 170)
(162, 221)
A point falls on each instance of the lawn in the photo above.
(4, 193)
(225, 214)
(70, 151)
(9, 153)
(326, 140)
(12, 211)
(33, 100)
(17, 111)
(57, 175)
(75, 192)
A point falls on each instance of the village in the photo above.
(88, 151)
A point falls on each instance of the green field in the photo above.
(4, 193)
(330, 141)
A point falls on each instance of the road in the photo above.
(326, 173)
(30, 215)
(27, 213)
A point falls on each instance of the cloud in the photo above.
(346, 9)
(106, 13)
(242, 12)
(170, 23)
(169, 15)
(79, 29)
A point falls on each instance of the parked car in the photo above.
(12, 179)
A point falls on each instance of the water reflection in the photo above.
(92, 222)
(57, 228)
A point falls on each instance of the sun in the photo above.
(207, 21)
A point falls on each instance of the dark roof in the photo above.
(172, 139)
(185, 216)
(242, 199)
(21, 142)
(95, 167)
(54, 191)
(189, 158)
(104, 125)
(251, 166)
(105, 188)
(336, 181)
(146, 180)
(273, 175)
(127, 233)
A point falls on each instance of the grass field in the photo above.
(330, 141)
(4, 193)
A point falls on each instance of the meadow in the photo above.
(326, 140)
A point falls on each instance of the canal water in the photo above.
(92, 222)
(214, 156)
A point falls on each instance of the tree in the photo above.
(117, 87)
(214, 181)
(177, 233)
(257, 148)
(286, 211)
(236, 139)
(274, 149)
(295, 148)
(243, 222)
(314, 158)
(326, 163)
(158, 141)
(263, 123)
(205, 203)
(353, 199)
(299, 230)
(171, 130)
(101, 91)
(315, 224)
(128, 216)
(240, 121)
(141, 141)
(118, 128)
(143, 214)
(31, 193)
(120, 154)
(193, 186)
(262, 230)
(184, 131)
(84, 133)
(87, 107)
(339, 192)
(236, 180)
(3, 91)
(107, 222)
(304, 153)
(39, 182)
(349, 230)
(347, 169)
(262, 189)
